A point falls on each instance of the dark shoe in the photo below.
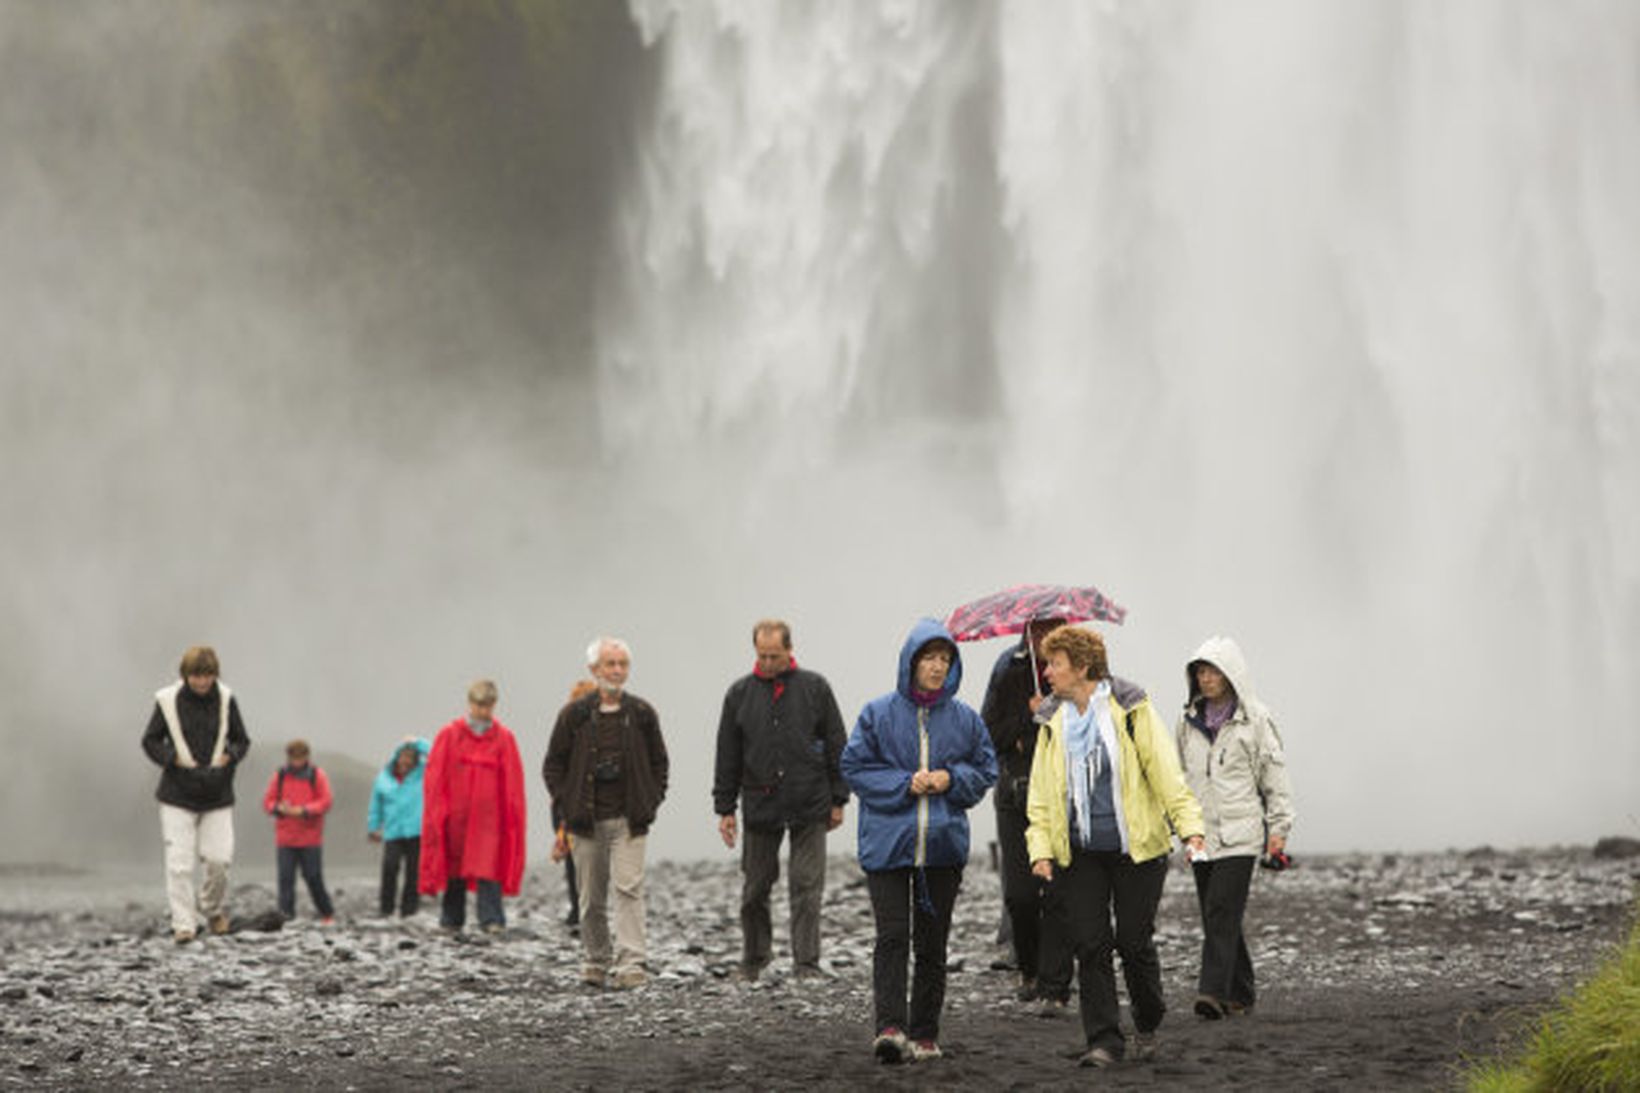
(1027, 991)
(1144, 1047)
(747, 973)
(1053, 1007)
(924, 1051)
(891, 1046)
(1209, 1008)
(1100, 1057)
(808, 971)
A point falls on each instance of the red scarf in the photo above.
(779, 679)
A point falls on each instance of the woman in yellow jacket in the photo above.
(1105, 785)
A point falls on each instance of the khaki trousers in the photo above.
(611, 854)
(207, 837)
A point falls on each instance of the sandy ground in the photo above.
(1377, 972)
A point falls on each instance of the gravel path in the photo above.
(1376, 972)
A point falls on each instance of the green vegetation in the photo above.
(1590, 1042)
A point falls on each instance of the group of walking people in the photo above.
(1091, 790)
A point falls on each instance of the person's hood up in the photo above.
(422, 746)
(925, 631)
(1225, 655)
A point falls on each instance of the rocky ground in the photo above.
(1377, 972)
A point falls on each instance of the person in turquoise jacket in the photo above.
(918, 760)
(395, 821)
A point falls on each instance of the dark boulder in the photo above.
(1617, 846)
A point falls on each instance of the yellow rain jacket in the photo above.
(1152, 787)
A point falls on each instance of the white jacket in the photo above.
(1240, 778)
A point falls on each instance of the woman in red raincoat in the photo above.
(472, 824)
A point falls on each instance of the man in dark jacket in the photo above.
(1012, 700)
(197, 738)
(778, 743)
(606, 769)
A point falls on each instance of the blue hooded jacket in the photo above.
(395, 806)
(885, 750)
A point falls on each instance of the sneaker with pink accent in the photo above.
(923, 1051)
(891, 1046)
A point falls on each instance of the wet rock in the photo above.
(1617, 847)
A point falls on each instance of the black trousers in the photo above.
(454, 909)
(1221, 891)
(397, 852)
(1021, 891)
(1081, 901)
(310, 859)
(574, 916)
(905, 926)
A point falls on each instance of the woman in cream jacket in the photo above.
(1232, 757)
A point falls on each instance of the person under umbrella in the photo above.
(1014, 698)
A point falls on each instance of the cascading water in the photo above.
(1318, 324)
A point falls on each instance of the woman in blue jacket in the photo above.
(918, 759)
(395, 821)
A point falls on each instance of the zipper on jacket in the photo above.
(922, 799)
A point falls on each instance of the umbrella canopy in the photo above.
(1008, 611)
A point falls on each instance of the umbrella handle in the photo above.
(1030, 646)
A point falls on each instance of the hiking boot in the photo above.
(1144, 1047)
(808, 971)
(593, 977)
(924, 1051)
(1238, 1009)
(219, 924)
(1100, 1057)
(1209, 1008)
(891, 1046)
(182, 937)
(630, 979)
(747, 973)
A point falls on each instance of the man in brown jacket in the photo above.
(606, 770)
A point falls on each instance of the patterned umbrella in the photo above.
(1007, 612)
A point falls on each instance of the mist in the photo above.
(411, 343)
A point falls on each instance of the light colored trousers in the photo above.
(207, 836)
(611, 853)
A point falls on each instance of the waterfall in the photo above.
(1315, 323)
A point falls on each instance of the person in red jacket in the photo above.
(299, 796)
(472, 821)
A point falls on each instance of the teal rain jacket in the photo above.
(395, 806)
